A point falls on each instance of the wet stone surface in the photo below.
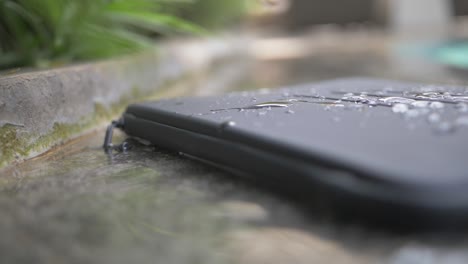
(80, 205)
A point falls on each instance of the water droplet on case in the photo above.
(356, 99)
(269, 105)
(433, 118)
(227, 124)
(436, 105)
(413, 113)
(396, 100)
(429, 95)
(400, 108)
(420, 104)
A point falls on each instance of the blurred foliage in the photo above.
(215, 14)
(37, 33)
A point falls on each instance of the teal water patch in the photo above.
(450, 53)
(417, 50)
(453, 54)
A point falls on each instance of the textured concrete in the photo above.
(43, 108)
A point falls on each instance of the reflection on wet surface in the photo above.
(79, 205)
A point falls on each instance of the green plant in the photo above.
(214, 14)
(38, 32)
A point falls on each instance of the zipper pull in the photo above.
(108, 146)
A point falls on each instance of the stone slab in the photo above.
(41, 109)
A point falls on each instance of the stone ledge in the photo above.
(41, 109)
